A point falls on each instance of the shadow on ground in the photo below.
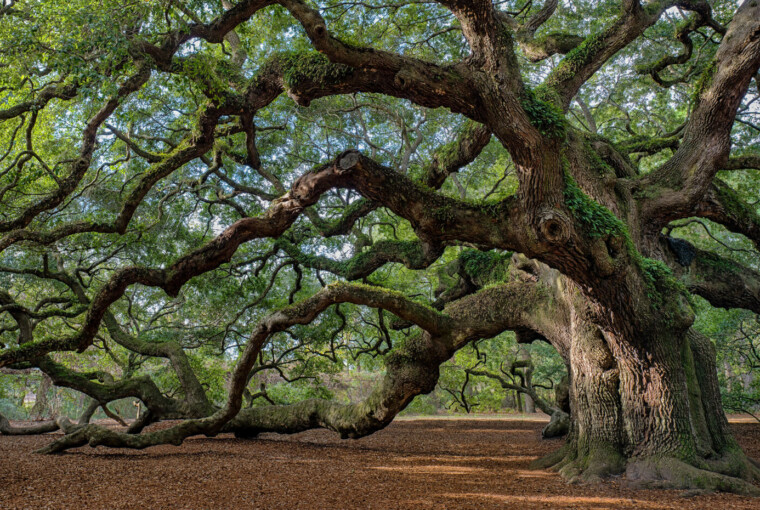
(412, 464)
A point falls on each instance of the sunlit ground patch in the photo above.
(431, 469)
(562, 501)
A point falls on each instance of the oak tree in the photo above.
(166, 165)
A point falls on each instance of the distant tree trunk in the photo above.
(523, 354)
(729, 375)
(747, 379)
(40, 409)
(22, 395)
(530, 406)
(88, 412)
(562, 393)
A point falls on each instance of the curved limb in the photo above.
(723, 205)
(410, 371)
(195, 396)
(457, 154)
(413, 254)
(300, 313)
(723, 282)
(431, 214)
(145, 418)
(702, 18)
(82, 162)
(559, 422)
(588, 57)
(684, 180)
(508, 306)
(38, 428)
(88, 412)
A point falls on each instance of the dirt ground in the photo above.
(420, 464)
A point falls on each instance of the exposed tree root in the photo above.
(552, 459)
(733, 463)
(558, 425)
(733, 472)
(39, 428)
(600, 463)
(671, 473)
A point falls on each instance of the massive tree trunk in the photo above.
(646, 402)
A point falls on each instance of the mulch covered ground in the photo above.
(416, 464)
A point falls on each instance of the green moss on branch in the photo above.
(485, 267)
(597, 220)
(543, 112)
(311, 66)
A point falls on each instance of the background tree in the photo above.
(189, 185)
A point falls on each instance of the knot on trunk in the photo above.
(299, 100)
(402, 79)
(348, 160)
(320, 30)
(554, 226)
(683, 250)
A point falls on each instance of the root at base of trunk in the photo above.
(734, 473)
(599, 464)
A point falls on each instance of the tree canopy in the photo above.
(203, 203)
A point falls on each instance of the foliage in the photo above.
(546, 116)
(596, 218)
(310, 66)
(171, 211)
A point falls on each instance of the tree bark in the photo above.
(40, 409)
(646, 403)
(523, 355)
(39, 428)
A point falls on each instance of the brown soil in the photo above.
(411, 464)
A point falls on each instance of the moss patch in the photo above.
(545, 115)
(579, 57)
(705, 80)
(595, 218)
(484, 267)
(310, 66)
